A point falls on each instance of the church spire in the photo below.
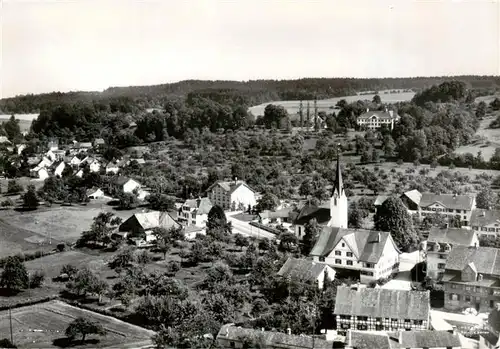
(338, 186)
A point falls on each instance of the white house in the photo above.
(79, 174)
(20, 148)
(128, 185)
(195, 212)
(59, 169)
(143, 224)
(94, 164)
(95, 193)
(4, 140)
(112, 167)
(75, 161)
(42, 174)
(51, 156)
(307, 271)
(371, 253)
(229, 194)
(376, 119)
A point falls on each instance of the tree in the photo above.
(376, 99)
(241, 241)
(30, 199)
(36, 279)
(481, 110)
(100, 230)
(161, 202)
(311, 234)
(288, 242)
(12, 129)
(356, 216)
(128, 201)
(14, 275)
(165, 239)
(216, 219)
(14, 187)
(267, 201)
(392, 216)
(273, 115)
(122, 260)
(84, 282)
(82, 326)
(486, 199)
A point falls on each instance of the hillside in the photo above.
(250, 93)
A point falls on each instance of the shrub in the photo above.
(7, 203)
(173, 267)
(61, 247)
(36, 279)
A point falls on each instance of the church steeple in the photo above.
(338, 186)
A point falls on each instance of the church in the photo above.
(370, 255)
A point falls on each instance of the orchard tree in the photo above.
(100, 230)
(83, 327)
(267, 201)
(392, 216)
(30, 199)
(311, 234)
(376, 99)
(14, 275)
(486, 199)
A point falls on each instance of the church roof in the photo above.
(338, 186)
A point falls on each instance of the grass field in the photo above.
(486, 140)
(24, 120)
(327, 104)
(60, 223)
(38, 326)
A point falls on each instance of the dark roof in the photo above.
(338, 186)
(366, 245)
(385, 303)
(481, 218)
(453, 236)
(379, 113)
(490, 337)
(271, 339)
(460, 202)
(302, 269)
(368, 340)
(426, 339)
(150, 220)
(308, 212)
(486, 259)
(122, 180)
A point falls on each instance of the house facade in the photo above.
(378, 309)
(372, 254)
(376, 119)
(142, 224)
(229, 195)
(59, 169)
(486, 222)
(195, 212)
(305, 270)
(472, 278)
(439, 245)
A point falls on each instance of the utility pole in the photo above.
(315, 114)
(308, 116)
(10, 321)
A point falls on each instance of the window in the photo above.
(338, 253)
(478, 289)
(379, 327)
(492, 304)
(232, 344)
(362, 318)
(343, 245)
(346, 317)
(417, 322)
(349, 262)
(467, 298)
(441, 265)
(349, 254)
(362, 327)
(322, 259)
(338, 261)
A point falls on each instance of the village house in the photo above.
(127, 185)
(279, 216)
(20, 148)
(374, 119)
(231, 336)
(83, 146)
(485, 222)
(75, 161)
(112, 167)
(195, 212)
(41, 174)
(425, 204)
(335, 216)
(235, 194)
(141, 225)
(439, 245)
(79, 174)
(379, 309)
(372, 255)
(98, 142)
(94, 193)
(94, 164)
(472, 278)
(53, 144)
(50, 155)
(58, 171)
(305, 270)
(425, 339)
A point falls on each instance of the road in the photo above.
(246, 229)
(402, 281)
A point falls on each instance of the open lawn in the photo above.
(43, 326)
(61, 223)
(327, 105)
(486, 140)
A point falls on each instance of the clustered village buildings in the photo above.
(365, 317)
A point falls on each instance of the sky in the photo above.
(90, 45)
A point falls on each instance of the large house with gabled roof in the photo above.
(195, 212)
(485, 222)
(305, 270)
(232, 194)
(374, 119)
(472, 278)
(379, 309)
(372, 254)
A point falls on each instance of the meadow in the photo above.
(24, 120)
(486, 140)
(43, 325)
(327, 105)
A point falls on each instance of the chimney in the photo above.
(262, 329)
(288, 331)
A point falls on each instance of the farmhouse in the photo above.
(378, 309)
(336, 216)
(94, 164)
(128, 185)
(195, 212)
(403, 339)
(279, 216)
(485, 222)
(472, 278)
(450, 205)
(228, 194)
(439, 244)
(376, 119)
(51, 155)
(307, 271)
(142, 224)
(95, 193)
(372, 254)
(59, 169)
(230, 336)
